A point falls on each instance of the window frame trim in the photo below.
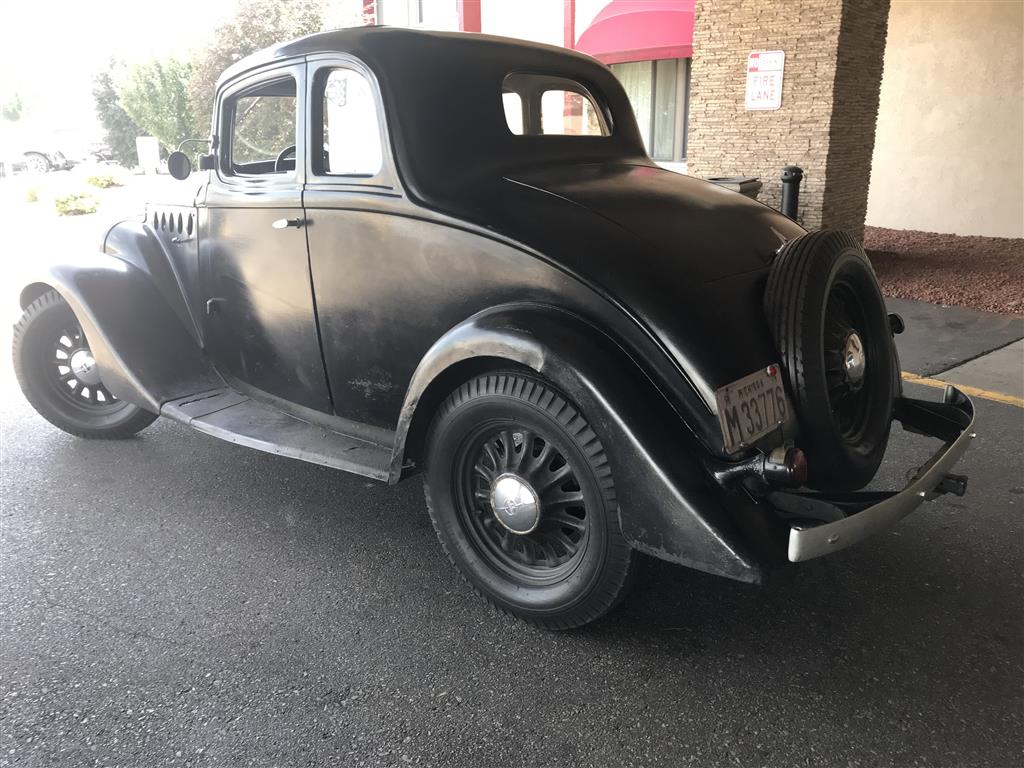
(385, 180)
(293, 68)
(547, 81)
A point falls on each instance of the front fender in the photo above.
(169, 257)
(145, 353)
(668, 507)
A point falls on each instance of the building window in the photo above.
(658, 92)
(402, 13)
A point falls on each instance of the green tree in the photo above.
(154, 96)
(11, 109)
(256, 24)
(120, 129)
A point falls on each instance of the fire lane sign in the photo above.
(764, 79)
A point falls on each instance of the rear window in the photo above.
(539, 105)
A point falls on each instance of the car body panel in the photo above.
(145, 353)
(666, 506)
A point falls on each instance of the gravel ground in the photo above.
(985, 273)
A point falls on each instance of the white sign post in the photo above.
(764, 79)
(148, 149)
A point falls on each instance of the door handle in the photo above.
(285, 223)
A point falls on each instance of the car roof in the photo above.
(385, 39)
(442, 98)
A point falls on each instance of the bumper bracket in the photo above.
(831, 522)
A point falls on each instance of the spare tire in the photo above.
(829, 321)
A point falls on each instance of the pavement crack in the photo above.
(975, 357)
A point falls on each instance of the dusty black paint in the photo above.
(637, 291)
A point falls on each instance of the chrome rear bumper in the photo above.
(854, 517)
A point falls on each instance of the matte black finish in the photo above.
(325, 317)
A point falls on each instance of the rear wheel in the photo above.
(57, 373)
(523, 501)
(830, 324)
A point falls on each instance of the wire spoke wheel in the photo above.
(74, 372)
(846, 360)
(520, 502)
(831, 328)
(58, 375)
(522, 498)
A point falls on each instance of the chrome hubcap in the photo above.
(84, 367)
(854, 359)
(515, 504)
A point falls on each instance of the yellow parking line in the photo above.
(984, 394)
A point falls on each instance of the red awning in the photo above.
(640, 30)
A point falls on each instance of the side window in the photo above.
(263, 129)
(349, 139)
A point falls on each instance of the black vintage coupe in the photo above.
(450, 254)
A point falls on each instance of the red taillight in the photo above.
(796, 464)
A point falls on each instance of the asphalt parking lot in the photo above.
(174, 600)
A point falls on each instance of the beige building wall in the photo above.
(829, 100)
(949, 147)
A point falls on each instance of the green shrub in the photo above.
(31, 195)
(75, 204)
(104, 181)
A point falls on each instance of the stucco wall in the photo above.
(829, 100)
(537, 20)
(949, 152)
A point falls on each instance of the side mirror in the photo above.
(178, 165)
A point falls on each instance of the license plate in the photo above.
(751, 407)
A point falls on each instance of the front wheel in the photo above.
(523, 500)
(57, 373)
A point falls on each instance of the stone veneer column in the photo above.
(826, 125)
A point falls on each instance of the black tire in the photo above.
(36, 162)
(46, 339)
(575, 566)
(822, 299)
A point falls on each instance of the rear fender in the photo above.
(145, 352)
(667, 507)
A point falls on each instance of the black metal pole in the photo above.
(791, 176)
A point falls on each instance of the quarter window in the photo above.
(263, 129)
(513, 104)
(569, 113)
(350, 140)
(538, 105)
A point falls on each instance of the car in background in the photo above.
(38, 160)
(23, 149)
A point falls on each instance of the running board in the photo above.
(237, 418)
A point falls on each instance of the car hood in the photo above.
(686, 258)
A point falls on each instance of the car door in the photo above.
(259, 319)
(349, 201)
